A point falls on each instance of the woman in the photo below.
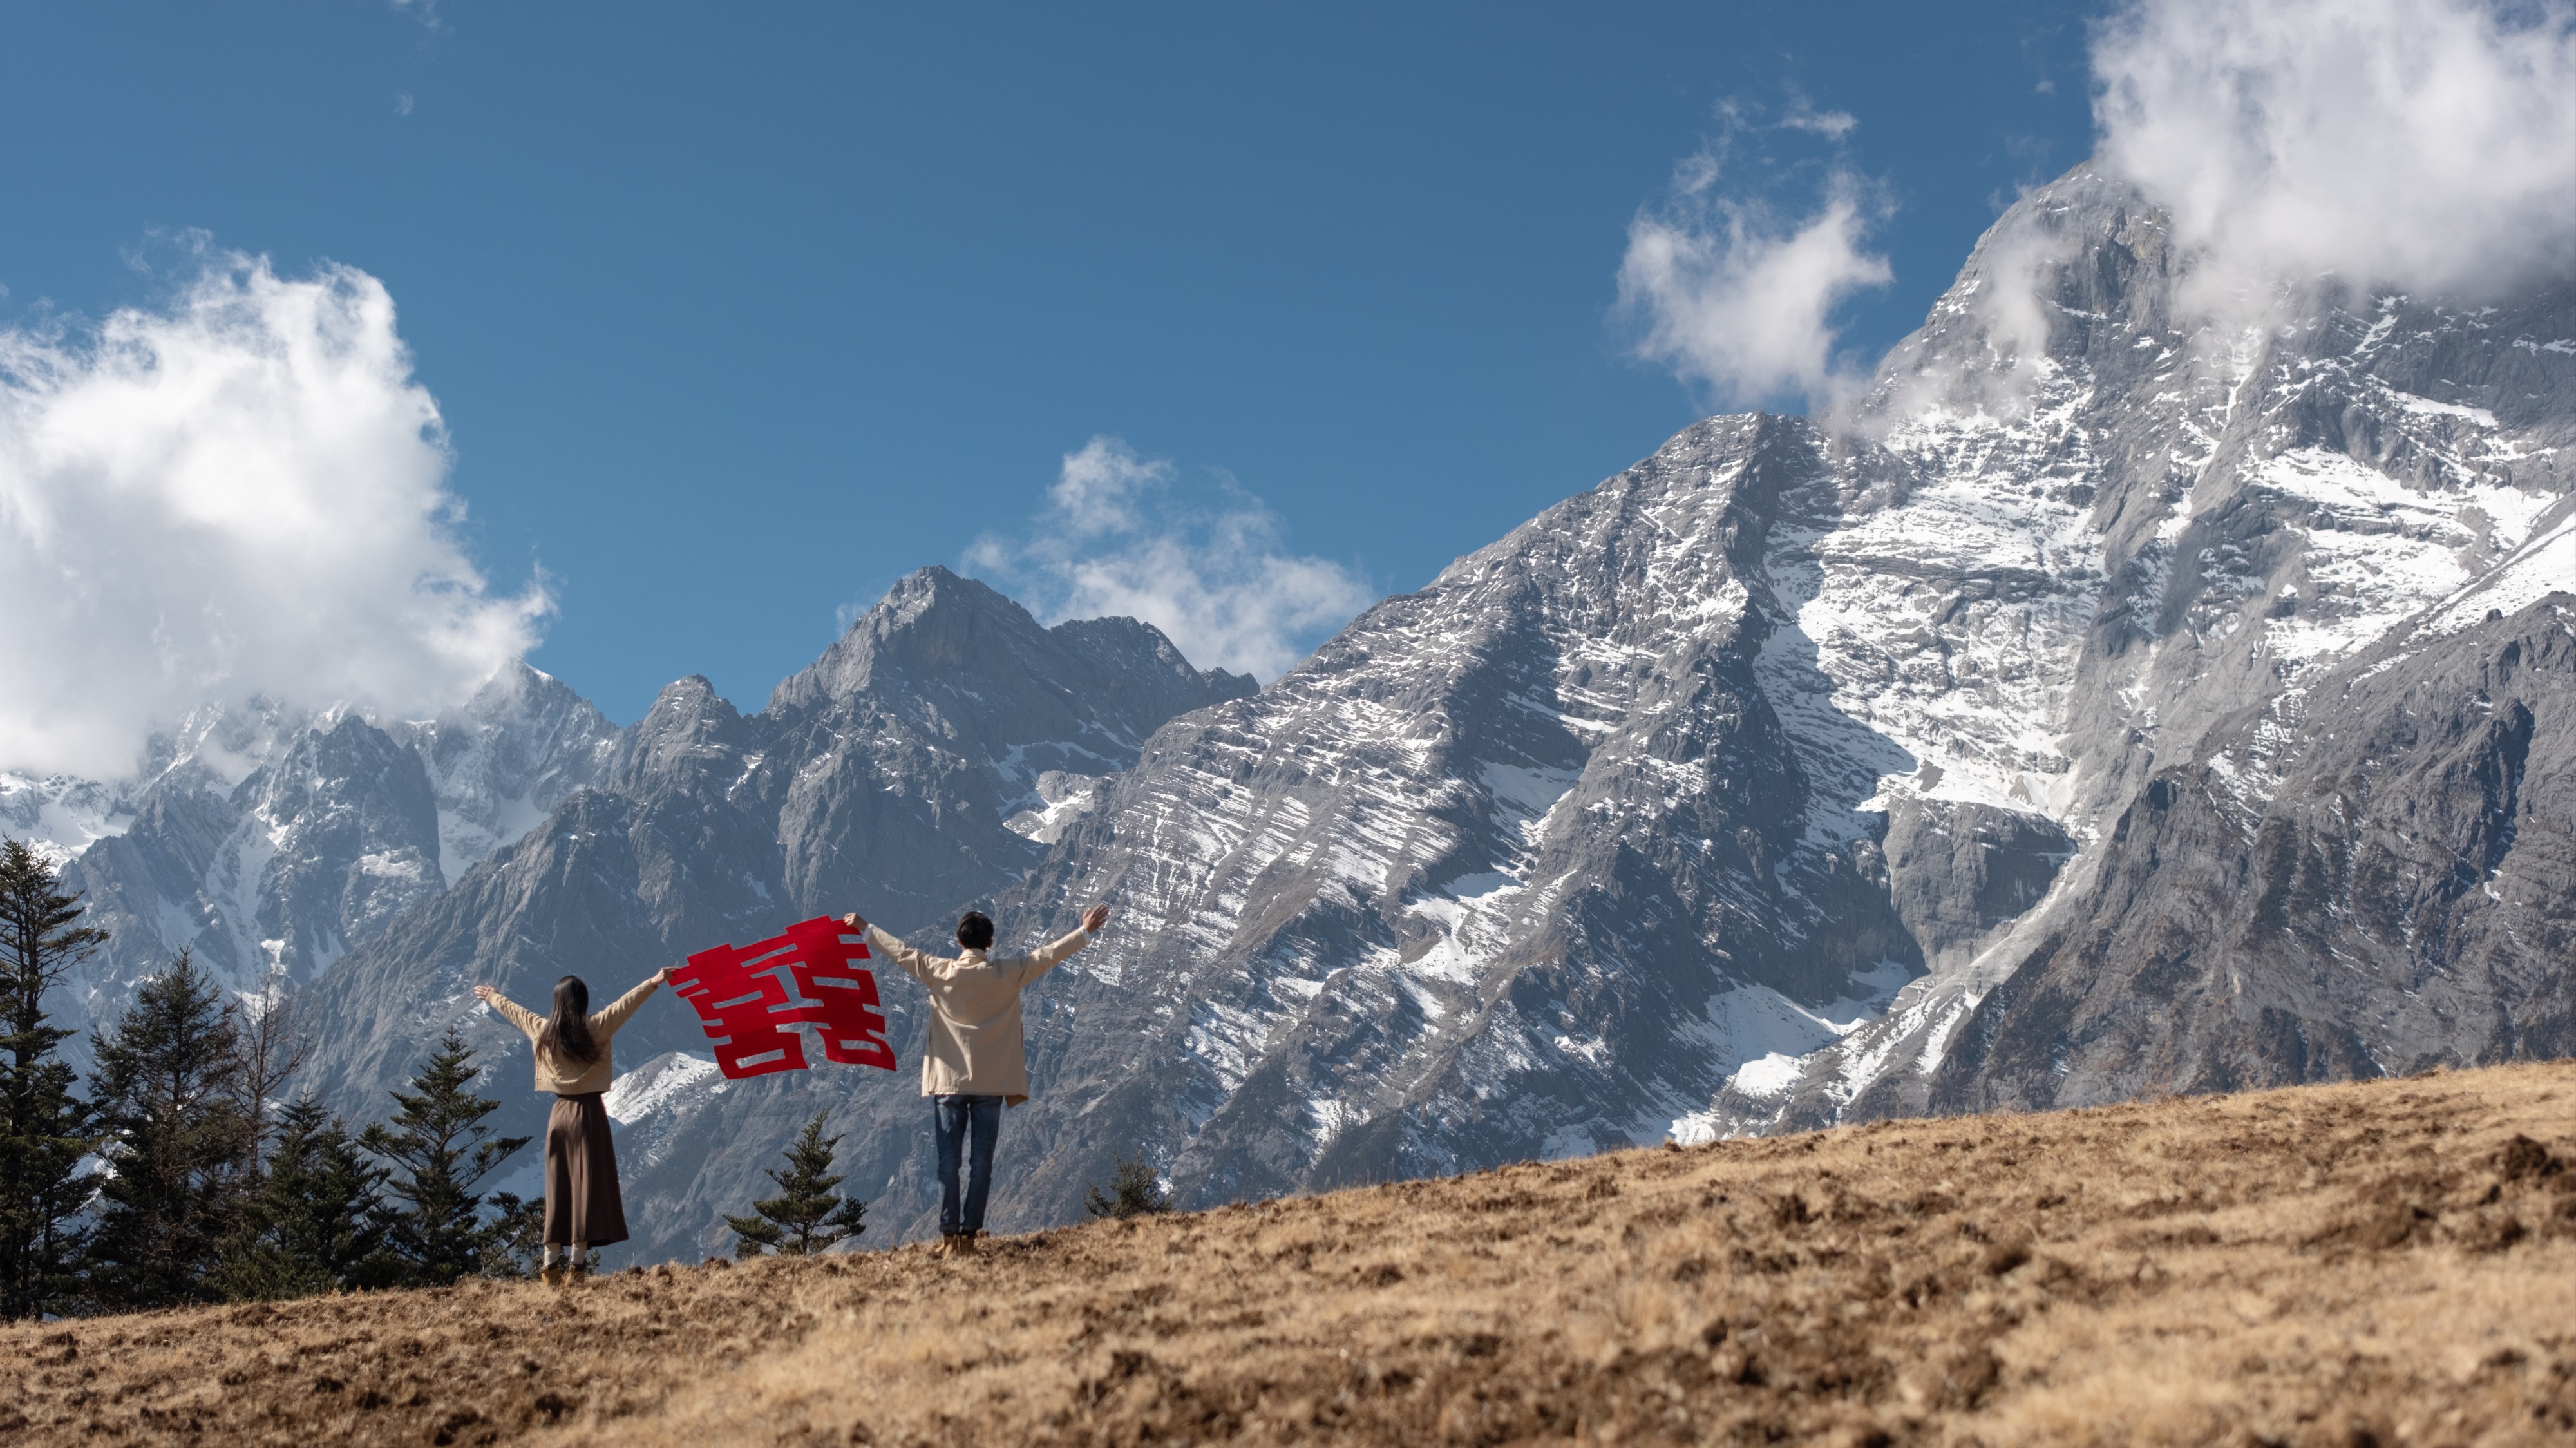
(583, 1209)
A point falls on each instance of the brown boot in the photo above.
(552, 1274)
(965, 1244)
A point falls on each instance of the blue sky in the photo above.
(734, 314)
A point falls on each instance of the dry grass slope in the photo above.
(2388, 1262)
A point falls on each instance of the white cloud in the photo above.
(1731, 293)
(1122, 535)
(1832, 125)
(2403, 143)
(244, 493)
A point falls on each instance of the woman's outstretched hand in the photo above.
(1094, 918)
(487, 994)
(662, 976)
(853, 921)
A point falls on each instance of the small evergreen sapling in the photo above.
(1134, 1191)
(441, 1151)
(514, 1245)
(806, 1216)
(44, 1129)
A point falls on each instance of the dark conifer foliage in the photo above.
(44, 1129)
(1134, 1191)
(806, 1216)
(514, 1243)
(317, 1222)
(441, 1152)
(177, 1138)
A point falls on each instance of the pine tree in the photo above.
(1134, 1191)
(441, 1151)
(44, 1129)
(318, 1221)
(807, 1216)
(515, 1242)
(177, 1141)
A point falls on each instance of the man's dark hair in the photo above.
(975, 932)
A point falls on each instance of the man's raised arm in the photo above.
(911, 961)
(1048, 957)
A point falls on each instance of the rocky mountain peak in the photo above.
(524, 741)
(944, 649)
(689, 732)
(931, 624)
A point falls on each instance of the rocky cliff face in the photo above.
(1770, 760)
(2114, 541)
(1521, 864)
(2383, 888)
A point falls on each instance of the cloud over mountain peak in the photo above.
(2409, 144)
(242, 492)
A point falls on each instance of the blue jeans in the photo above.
(956, 1115)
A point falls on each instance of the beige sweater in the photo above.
(571, 1078)
(975, 1045)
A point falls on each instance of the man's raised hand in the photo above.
(1094, 918)
(853, 921)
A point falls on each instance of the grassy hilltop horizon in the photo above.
(2372, 1263)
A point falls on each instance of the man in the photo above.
(975, 1064)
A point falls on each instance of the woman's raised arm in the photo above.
(511, 1011)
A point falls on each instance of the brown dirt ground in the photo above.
(2379, 1263)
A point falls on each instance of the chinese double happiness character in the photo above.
(753, 1000)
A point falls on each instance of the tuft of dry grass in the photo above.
(2377, 1263)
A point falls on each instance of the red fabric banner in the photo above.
(743, 999)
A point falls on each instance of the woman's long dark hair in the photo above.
(567, 1033)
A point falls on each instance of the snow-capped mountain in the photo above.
(1522, 864)
(2115, 699)
(1766, 763)
(2173, 544)
(269, 843)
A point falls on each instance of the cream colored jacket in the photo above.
(571, 1078)
(975, 1044)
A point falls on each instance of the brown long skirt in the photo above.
(582, 1204)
